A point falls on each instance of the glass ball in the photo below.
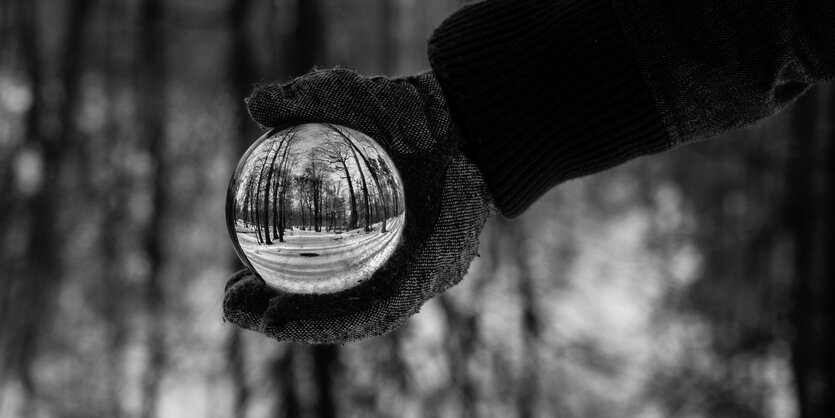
(315, 208)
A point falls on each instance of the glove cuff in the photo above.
(544, 91)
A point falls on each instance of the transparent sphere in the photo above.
(315, 208)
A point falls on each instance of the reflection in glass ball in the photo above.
(315, 208)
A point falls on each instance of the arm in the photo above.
(546, 91)
(524, 94)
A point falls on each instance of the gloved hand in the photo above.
(447, 204)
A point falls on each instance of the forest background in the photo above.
(696, 283)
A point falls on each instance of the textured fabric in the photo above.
(545, 91)
(549, 90)
(714, 66)
(447, 204)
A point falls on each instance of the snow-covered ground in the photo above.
(340, 260)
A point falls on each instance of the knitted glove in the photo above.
(447, 204)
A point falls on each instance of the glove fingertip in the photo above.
(247, 298)
(266, 104)
(237, 277)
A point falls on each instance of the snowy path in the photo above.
(341, 260)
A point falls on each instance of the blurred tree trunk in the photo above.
(527, 387)
(18, 316)
(241, 76)
(236, 363)
(21, 318)
(152, 114)
(809, 211)
(325, 360)
(829, 244)
(7, 25)
(309, 45)
(461, 343)
(11, 22)
(828, 293)
(388, 37)
(284, 373)
(113, 196)
(27, 310)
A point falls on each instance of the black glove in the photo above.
(447, 204)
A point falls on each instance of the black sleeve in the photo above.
(549, 90)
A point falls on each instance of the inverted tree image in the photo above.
(316, 190)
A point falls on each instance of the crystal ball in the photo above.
(315, 208)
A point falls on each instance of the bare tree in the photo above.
(337, 152)
(357, 151)
(270, 185)
(289, 162)
(260, 190)
(263, 215)
(364, 186)
(313, 179)
(389, 182)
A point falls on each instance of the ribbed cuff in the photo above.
(544, 91)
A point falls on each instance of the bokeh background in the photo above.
(692, 284)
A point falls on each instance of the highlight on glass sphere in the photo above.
(315, 208)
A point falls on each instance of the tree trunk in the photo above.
(268, 187)
(152, 116)
(461, 344)
(282, 210)
(262, 220)
(809, 211)
(528, 394)
(256, 214)
(241, 74)
(316, 195)
(36, 276)
(352, 218)
(266, 198)
(325, 359)
(309, 37)
(284, 179)
(21, 319)
(246, 214)
(362, 181)
(388, 44)
(114, 198)
(281, 185)
(276, 190)
(283, 372)
(237, 371)
(355, 149)
(825, 302)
